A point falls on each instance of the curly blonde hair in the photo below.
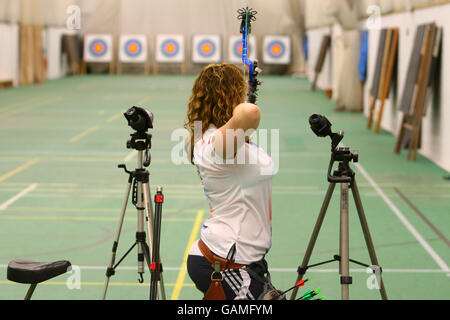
(217, 90)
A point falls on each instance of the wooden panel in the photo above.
(378, 64)
(410, 129)
(406, 101)
(326, 43)
(387, 75)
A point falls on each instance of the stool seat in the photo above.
(30, 272)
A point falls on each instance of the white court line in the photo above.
(4, 266)
(304, 154)
(130, 156)
(405, 221)
(18, 196)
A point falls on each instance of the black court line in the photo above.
(421, 215)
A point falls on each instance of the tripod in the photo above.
(344, 176)
(138, 180)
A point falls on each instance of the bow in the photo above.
(247, 16)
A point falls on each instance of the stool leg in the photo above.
(30, 291)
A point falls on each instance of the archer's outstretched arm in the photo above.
(235, 132)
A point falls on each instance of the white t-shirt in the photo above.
(240, 199)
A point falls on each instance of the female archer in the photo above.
(227, 262)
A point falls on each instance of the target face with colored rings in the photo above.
(170, 48)
(276, 49)
(237, 49)
(133, 48)
(206, 48)
(98, 48)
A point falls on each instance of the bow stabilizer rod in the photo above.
(247, 16)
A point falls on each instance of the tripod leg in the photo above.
(367, 236)
(344, 244)
(156, 261)
(140, 234)
(161, 287)
(150, 215)
(110, 270)
(312, 241)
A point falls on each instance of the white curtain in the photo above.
(42, 12)
(190, 17)
(154, 17)
(347, 88)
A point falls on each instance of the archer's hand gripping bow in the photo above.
(247, 16)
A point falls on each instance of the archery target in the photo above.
(235, 49)
(133, 48)
(206, 49)
(277, 50)
(98, 48)
(170, 48)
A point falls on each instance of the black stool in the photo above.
(33, 273)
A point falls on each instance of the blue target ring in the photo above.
(98, 48)
(276, 49)
(170, 48)
(133, 48)
(206, 48)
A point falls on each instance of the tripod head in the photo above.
(140, 120)
(321, 126)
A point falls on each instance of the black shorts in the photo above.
(237, 283)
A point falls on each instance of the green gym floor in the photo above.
(61, 191)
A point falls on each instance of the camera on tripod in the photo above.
(344, 176)
(321, 126)
(140, 120)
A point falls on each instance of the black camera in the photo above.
(321, 126)
(139, 119)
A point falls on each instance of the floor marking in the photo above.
(281, 270)
(142, 101)
(99, 210)
(92, 283)
(27, 108)
(115, 117)
(403, 219)
(422, 216)
(4, 109)
(431, 271)
(18, 196)
(83, 134)
(120, 113)
(183, 270)
(19, 169)
(71, 218)
(303, 171)
(130, 156)
(304, 154)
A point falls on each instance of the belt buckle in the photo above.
(216, 271)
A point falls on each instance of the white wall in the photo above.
(436, 131)
(9, 53)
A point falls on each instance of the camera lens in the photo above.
(320, 125)
(314, 119)
(139, 119)
(132, 114)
